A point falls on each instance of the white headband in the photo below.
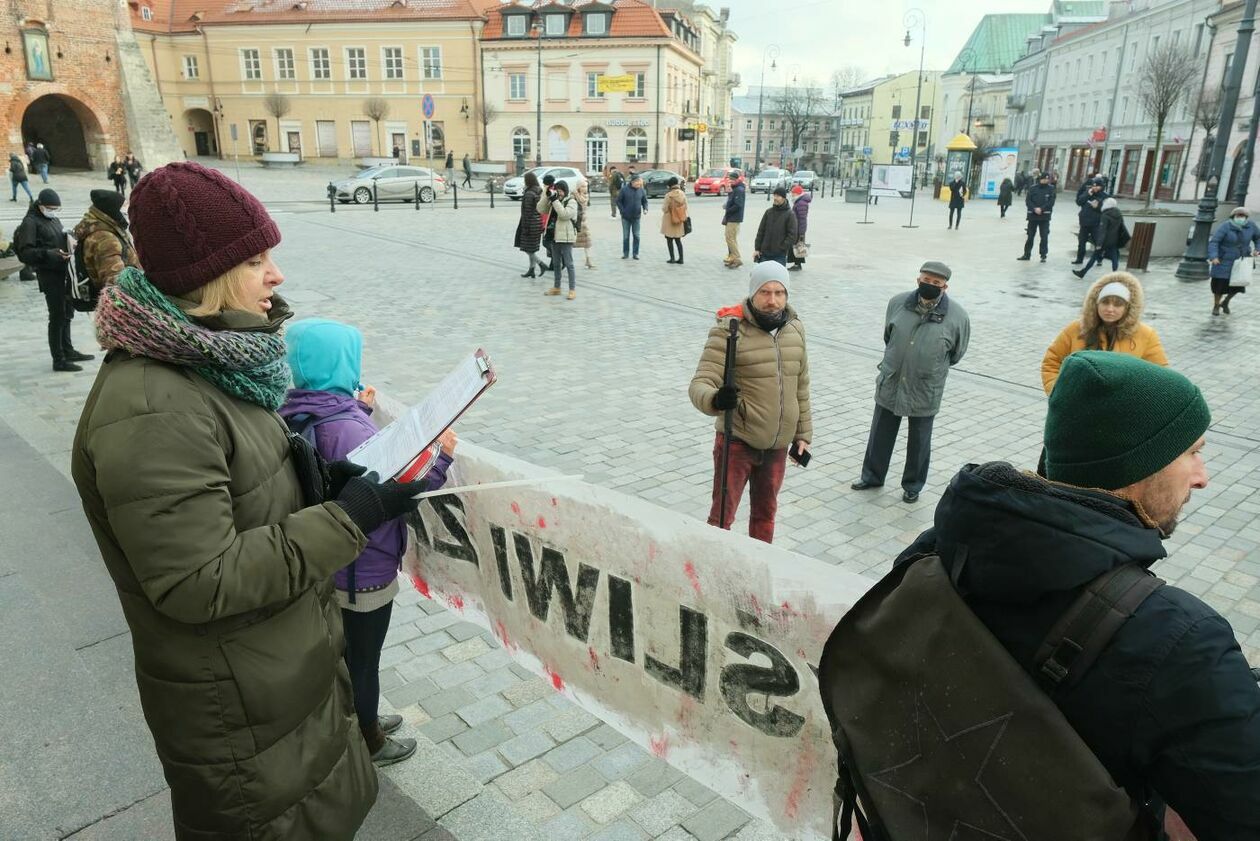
(1115, 289)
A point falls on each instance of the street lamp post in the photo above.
(538, 28)
(772, 52)
(1193, 264)
(915, 19)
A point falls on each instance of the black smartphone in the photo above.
(797, 456)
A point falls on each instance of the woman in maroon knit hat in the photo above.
(220, 531)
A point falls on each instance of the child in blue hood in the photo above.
(326, 358)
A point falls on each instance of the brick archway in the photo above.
(74, 132)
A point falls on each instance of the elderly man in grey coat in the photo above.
(925, 334)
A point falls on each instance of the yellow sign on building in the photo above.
(615, 84)
(702, 127)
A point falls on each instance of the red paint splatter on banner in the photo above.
(500, 631)
(422, 586)
(593, 658)
(456, 601)
(553, 502)
(516, 508)
(690, 569)
(659, 746)
(557, 682)
(542, 523)
(756, 605)
(652, 551)
(800, 782)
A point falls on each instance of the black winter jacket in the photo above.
(1042, 196)
(1110, 225)
(17, 170)
(1089, 215)
(733, 210)
(40, 156)
(1170, 707)
(777, 232)
(38, 242)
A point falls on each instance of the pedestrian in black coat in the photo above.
(529, 228)
(117, 173)
(1004, 195)
(957, 198)
(1089, 198)
(1170, 707)
(777, 232)
(18, 177)
(134, 170)
(41, 243)
(1040, 204)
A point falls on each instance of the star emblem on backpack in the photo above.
(955, 807)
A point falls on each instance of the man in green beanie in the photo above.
(1170, 707)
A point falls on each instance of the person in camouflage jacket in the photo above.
(107, 247)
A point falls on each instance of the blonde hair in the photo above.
(225, 292)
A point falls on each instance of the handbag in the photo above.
(800, 250)
(687, 226)
(1241, 272)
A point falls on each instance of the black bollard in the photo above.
(376, 205)
(415, 204)
(491, 193)
(455, 187)
(332, 198)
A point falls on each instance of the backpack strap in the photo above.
(1085, 629)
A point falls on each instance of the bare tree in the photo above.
(485, 113)
(278, 105)
(1206, 116)
(846, 77)
(1165, 78)
(376, 109)
(798, 105)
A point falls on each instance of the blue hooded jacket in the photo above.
(326, 358)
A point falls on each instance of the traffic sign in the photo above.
(702, 127)
(427, 106)
(905, 151)
(866, 150)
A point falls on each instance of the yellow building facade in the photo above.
(892, 116)
(316, 81)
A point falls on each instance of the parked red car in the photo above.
(714, 182)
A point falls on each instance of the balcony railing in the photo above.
(1016, 102)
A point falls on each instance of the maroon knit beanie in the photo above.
(192, 224)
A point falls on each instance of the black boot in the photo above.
(63, 365)
(73, 355)
(530, 273)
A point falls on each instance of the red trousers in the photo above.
(762, 471)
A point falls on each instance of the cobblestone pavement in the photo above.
(597, 386)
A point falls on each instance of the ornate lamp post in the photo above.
(915, 19)
(772, 52)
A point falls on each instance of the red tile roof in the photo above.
(631, 19)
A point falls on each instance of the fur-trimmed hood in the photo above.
(1128, 325)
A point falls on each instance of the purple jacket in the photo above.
(382, 557)
(801, 208)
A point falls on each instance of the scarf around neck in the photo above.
(134, 316)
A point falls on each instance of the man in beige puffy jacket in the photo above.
(769, 400)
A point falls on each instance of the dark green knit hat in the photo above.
(1115, 419)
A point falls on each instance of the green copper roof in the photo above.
(998, 41)
(1080, 9)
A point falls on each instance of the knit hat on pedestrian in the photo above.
(780, 191)
(192, 224)
(48, 198)
(1115, 419)
(109, 202)
(1240, 211)
(765, 272)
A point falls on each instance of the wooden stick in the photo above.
(492, 485)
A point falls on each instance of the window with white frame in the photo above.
(636, 144)
(596, 23)
(251, 65)
(640, 86)
(191, 70)
(321, 65)
(592, 86)
(516, 86)
(146, 13)
(393, 59)
(747, 125)
(356, 63)
(555, 24)
(431, 62)
(284, 64)
(747, 144)
(516, 25)
(520, 142)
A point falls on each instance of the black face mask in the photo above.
(768, 321)
(928, 292)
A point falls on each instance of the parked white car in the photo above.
(766, 180)
(514, 187)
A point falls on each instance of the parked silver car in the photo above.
(805, 177)
(514, 187)
(393, 183)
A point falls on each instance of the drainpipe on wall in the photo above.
(656, 164)
(214, 100)
(480, 83)
(1194, 117)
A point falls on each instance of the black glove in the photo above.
(727, 397)
(370, 502)
(340, 472)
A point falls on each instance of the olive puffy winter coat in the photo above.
(771, 373)
(225, 579)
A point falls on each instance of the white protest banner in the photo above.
(694, 642)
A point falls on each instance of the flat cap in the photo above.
(937, 268)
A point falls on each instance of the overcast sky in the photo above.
(816, 37)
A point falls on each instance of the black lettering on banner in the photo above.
(738, 680)
(498, 537)
(416, 521)
(693, 634)
(450, 510)
(620, 618)
(553, 574)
